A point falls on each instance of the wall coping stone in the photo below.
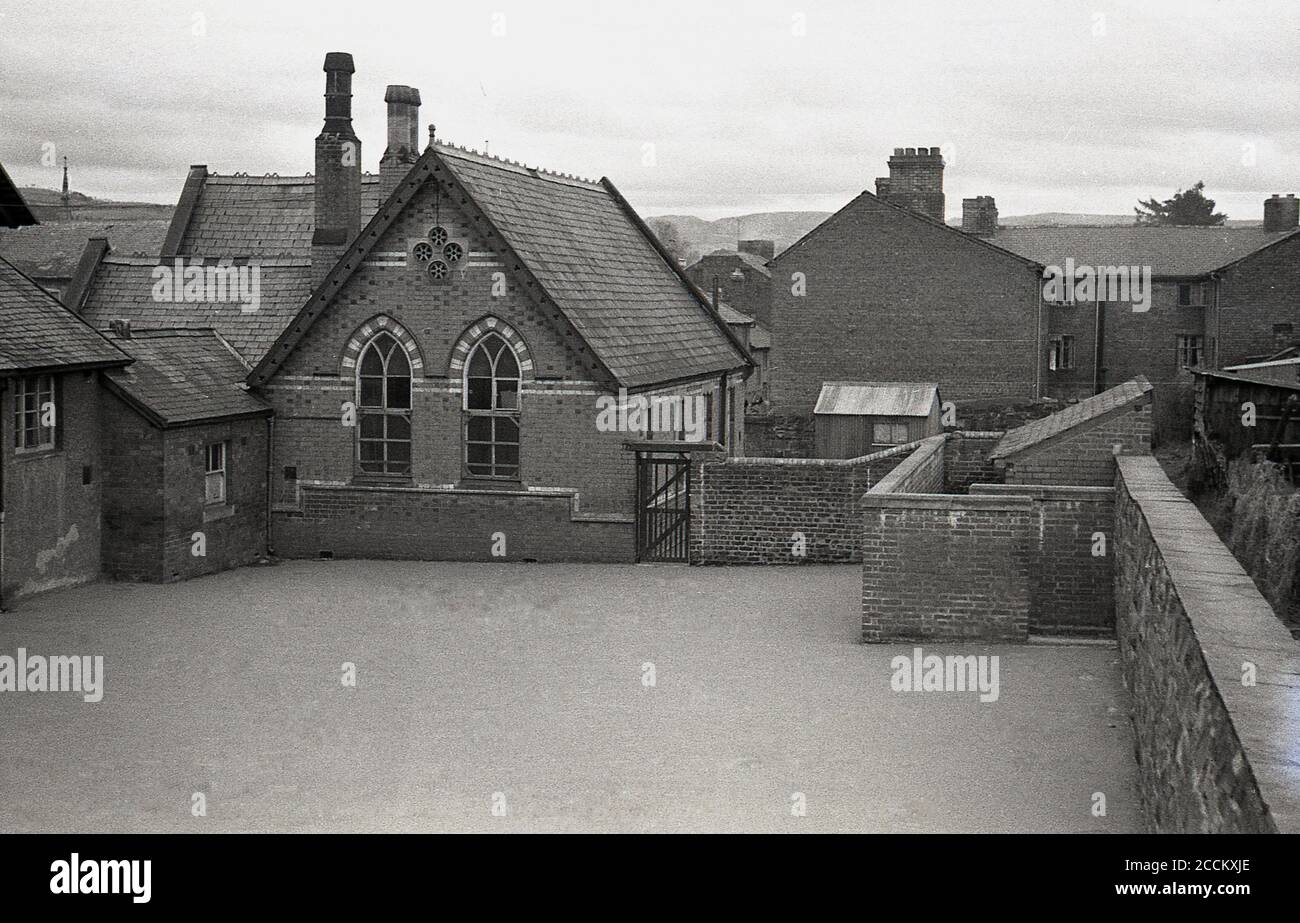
(956, 502)
(1231, 622)
(1046, 491)
(926, 449)
(824, 462)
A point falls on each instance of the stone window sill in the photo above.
(217, 511)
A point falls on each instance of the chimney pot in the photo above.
(979, 216)
(338, 169)
(1281, 214)
(915, 181)
(403, 137)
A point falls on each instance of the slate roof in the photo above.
(14, 212)
(241, 215)
(579, 240)
(731, 316)
(1131, 393)
(123, 288)
(753, 260)
(38, 332)
(184, 376)
(1170, 251)
(877, 398)
(51, 251)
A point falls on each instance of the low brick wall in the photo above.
(945, 567)
(966, 460)
(921, 472)
(1072, 572)
(755, 510)
(429, 524)
(1215, 746)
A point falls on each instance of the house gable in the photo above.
(878, 293)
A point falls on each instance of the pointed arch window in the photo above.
(492, 380)
(384, 407)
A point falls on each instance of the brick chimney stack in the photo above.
(979, 216)
(403, 137)
(764, 249)
(1281, 214)
(338, 169)
(915, 181)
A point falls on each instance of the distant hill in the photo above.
(690, 237)
(48, 208)
(49, 251)
(1075, 219)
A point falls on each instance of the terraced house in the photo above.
(885, 289)
(432, 346)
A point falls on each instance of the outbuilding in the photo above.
(856, 418)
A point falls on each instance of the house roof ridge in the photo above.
(446, 147)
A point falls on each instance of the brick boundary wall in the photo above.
(946, 567)
(1071, 586)
(431, 524)
(1214, 755)
(920, 473)
(748, 510)
(966, 459)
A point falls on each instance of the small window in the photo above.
(214, 481)
(1190, 347)
(1191, 294)
(36, 413)
(1061, 356)
(887, 434)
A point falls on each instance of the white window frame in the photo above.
(893, 434)
(1062, 348)
(1196, 295)
(45, 390)
(1187, 344)
(215, 475)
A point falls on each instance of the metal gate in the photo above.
(663, 507)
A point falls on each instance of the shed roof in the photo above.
(877, 398)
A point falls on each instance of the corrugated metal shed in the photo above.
(877, 398)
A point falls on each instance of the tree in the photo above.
(1186, 207)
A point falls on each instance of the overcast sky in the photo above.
(709, 108)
